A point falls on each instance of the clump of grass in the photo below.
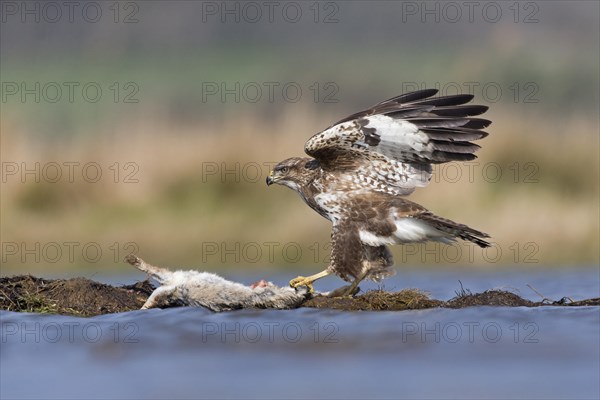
(37, 304)
(462, 292)
(24, 295)
(378, 300)
(408, 298)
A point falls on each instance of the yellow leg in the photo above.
(308, 280)
(350, 291)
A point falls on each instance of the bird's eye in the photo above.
(284, 170)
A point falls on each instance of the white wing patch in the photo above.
(391, 146)
(386, 166)
(398, 138)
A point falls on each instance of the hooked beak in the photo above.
(270, 179)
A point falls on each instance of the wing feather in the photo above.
(452, 100)
(406, 134)
(394, 104)
(460, 110)
(410, 97)
(438, 122)
(455, 134)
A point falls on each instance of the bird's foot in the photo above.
(308, 281)
(344, 291)
(353, 288)
(351, 291)
(303, 281)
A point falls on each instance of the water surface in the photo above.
(483, 352)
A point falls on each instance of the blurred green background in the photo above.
(151, 127)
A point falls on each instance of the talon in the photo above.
(302, 281)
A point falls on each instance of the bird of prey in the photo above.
(361, 167)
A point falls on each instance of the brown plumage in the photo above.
(364, 163)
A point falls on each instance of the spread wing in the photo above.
(393, 144)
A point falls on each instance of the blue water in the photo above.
(483, 352)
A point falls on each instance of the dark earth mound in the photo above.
(489, 298)
(77, 296)
(378, 300)
(85, 298)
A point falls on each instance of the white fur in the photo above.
(204, 289)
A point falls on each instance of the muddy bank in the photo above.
(77, 296)
(415, 299)
(86, 298)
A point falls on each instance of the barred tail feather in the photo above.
(455, 229)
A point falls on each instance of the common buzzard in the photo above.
(363, 165)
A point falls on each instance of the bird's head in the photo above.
(294, 173)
